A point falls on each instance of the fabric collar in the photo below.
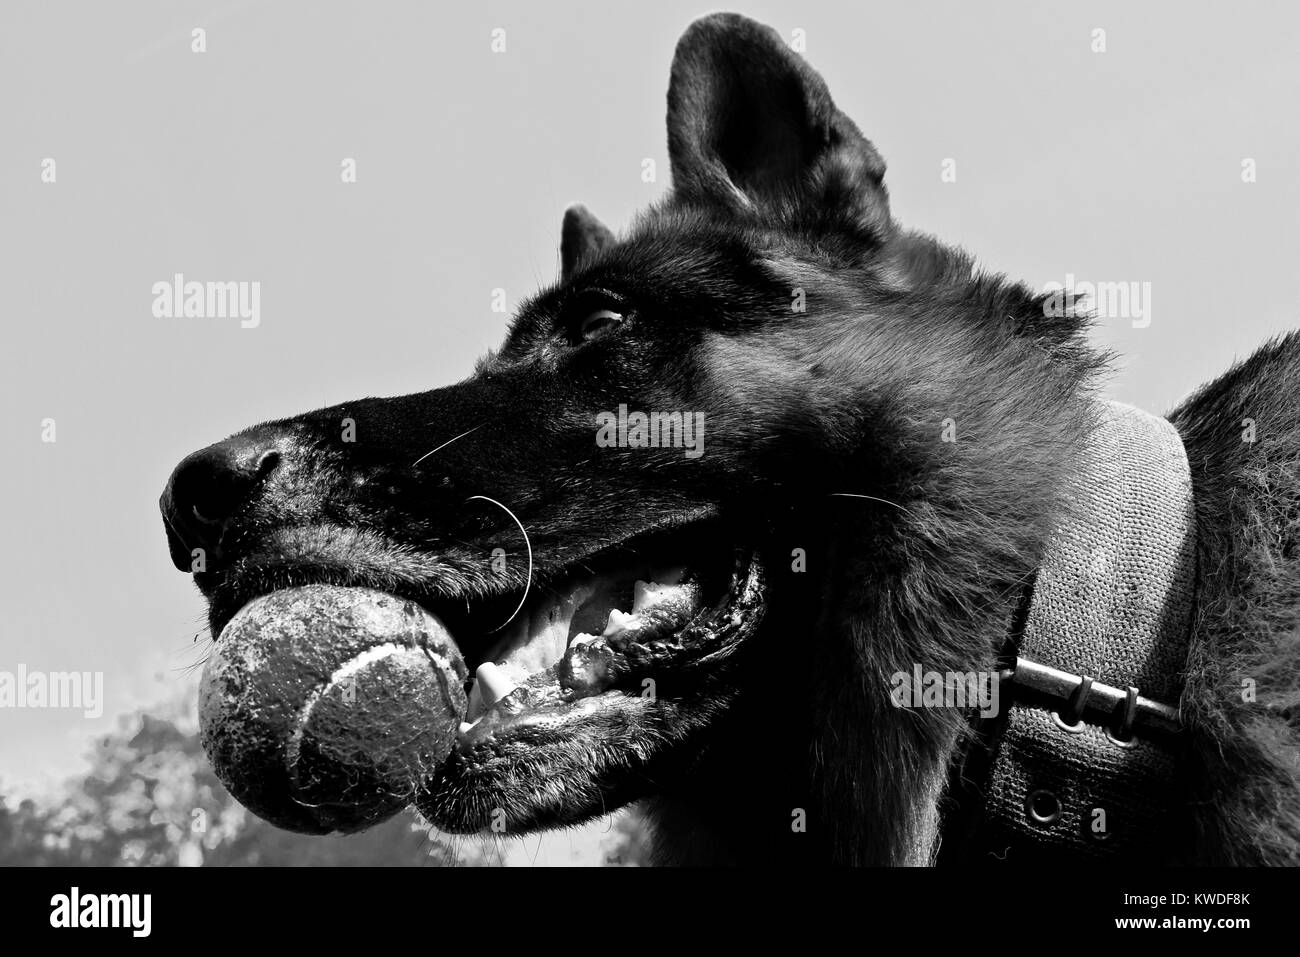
(1083, 760)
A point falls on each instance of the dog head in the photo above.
(713, 449)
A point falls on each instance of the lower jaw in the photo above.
(604, 752)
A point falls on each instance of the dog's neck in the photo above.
(880, 796)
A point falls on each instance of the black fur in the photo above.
(778, 196)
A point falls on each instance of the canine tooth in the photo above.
(620, 621)
(494, 683)
(466, 726)
(581, 639)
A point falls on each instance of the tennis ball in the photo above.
(324, 708)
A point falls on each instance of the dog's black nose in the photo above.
(207, 488)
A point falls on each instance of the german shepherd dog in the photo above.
(708, 459)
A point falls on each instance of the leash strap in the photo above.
(1085, 762)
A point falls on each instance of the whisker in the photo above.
(875, 499)
(523, 531)
(447, 443)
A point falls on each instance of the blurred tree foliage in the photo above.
(150, 799)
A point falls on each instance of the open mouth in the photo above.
(577, 680)
(598, 686)
(615, 630)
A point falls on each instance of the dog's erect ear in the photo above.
(752, 127)
(581, 237)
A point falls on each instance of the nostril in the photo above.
(205, 520)
(211, 485)
(226, 484)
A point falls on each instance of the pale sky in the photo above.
(1123, 165)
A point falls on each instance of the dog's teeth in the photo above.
(647, 594)
(620, 621)
(581, 639)
(466, 726)
(494, 684)
(474, 705)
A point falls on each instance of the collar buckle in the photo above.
(1079, 699)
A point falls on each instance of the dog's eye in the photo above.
(598, 322)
